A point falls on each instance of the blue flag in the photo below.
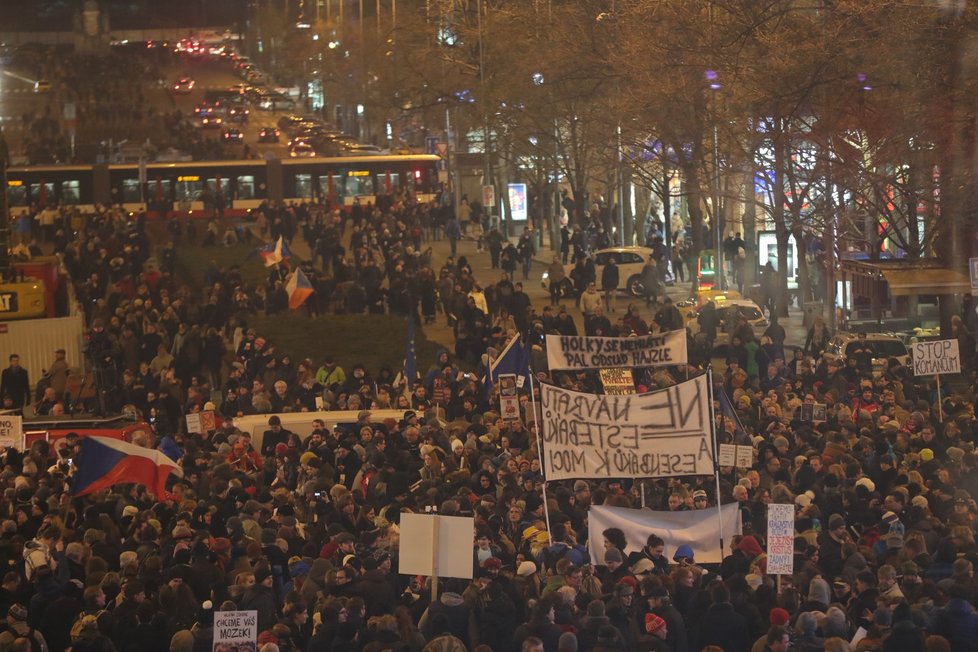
(514, 359)
(727, 409)
(410, 360)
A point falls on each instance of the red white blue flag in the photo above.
(299, 289)
(275, 252)
(103, 462)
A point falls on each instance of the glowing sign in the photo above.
(14, 183)
(358, 173)
(189, 178)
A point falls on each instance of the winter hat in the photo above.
(779, 617)
(819, 591)
(612, 555)
(643, 565)
(889, 518)
(18, 612)
(653, 623)
(805, 499)
(595, 609)
(581, 485)
(526, 568)
(684, 551)
(866, 483)
(836, 521)
(926, 455)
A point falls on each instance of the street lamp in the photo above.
(713, 83)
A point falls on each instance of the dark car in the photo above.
(233, 135)
(268, 135)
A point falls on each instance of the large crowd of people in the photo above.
(305, 531)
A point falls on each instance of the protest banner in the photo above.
(935, 358)
(660, 434)
(11, 432)
(581, 352)
(780, 539)
(208, 421)
(618, 381)
(235, 630)
(698, 528)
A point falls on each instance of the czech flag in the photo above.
(103, 462)
(299, 289)
(274, 253)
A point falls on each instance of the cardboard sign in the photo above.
(208, 421)
(741, 457)
(509, 402)
(11, 432)
(936, 357)
(440, 546)
(617, 381)
(235, 630)
(193, 423)
(780, 539)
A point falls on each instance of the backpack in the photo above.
(551, 556)
(78, 627)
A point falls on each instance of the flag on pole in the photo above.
(409, 373)
(727, 410)
(514, 359)
(274, 253)
(299, 289)
(103, 462)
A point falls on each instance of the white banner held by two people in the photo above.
(699, 528)
(660, 434)
(581, 352)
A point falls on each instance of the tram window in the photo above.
(213, 186)
(338, 186)
(45, 195)
(246, 187)
(70, 191)
(358, 184)
(189, 190)
(130, 191)
(303, 185)
(389, 183)
(17, 194)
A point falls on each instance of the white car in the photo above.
(884, 345)
(301, 150)
(726, 308)
(184, 86)
(630, 261)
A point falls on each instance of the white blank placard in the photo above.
(417, 553)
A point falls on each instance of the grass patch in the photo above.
(194, 260)
(371, 340)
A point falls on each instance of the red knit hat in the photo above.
(653, 623)
(779, 617)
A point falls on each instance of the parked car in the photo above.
(42, 86)
(276, 102)
(727, 309)
(630, 261)
(361, 150)
(884, 345)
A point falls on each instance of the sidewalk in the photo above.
(482, 270)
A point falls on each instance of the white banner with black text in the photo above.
(581, 352)
(664, 433)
